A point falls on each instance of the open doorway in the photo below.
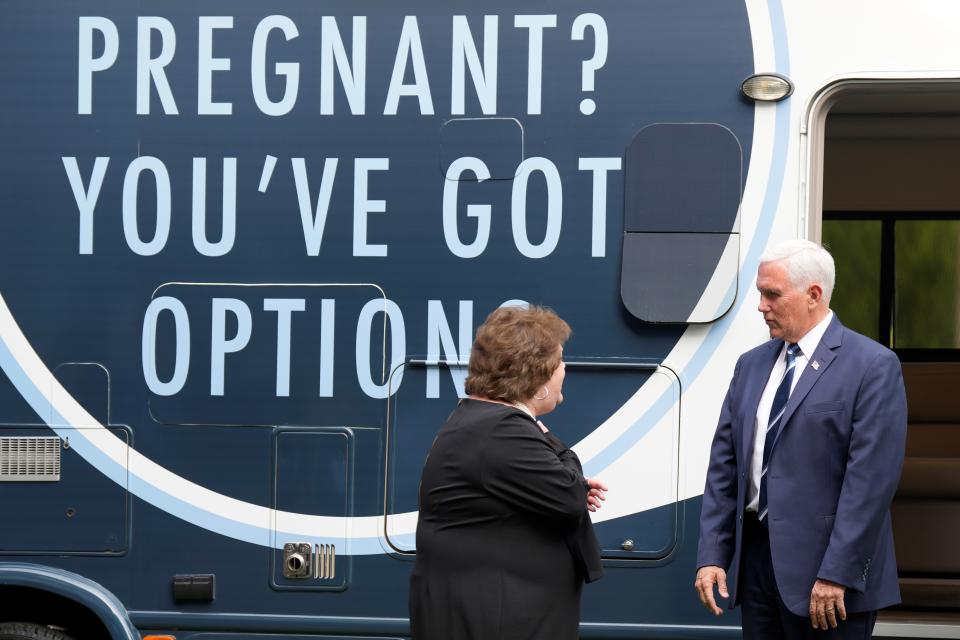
(888, 178)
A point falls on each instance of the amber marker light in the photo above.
(157, 637)
(767, 87)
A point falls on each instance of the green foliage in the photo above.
(855, 245)
(925, 303)
(926, 307)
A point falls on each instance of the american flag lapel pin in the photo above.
(815, 365)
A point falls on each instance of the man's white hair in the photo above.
(807, 263)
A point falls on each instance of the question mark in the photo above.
(599, 58)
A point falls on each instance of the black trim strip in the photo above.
(891, 215)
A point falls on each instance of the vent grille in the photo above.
(27, 459)
(325, 562)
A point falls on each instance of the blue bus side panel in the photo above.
(82, 299)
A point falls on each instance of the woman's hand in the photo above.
(596, 495)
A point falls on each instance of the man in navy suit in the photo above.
(803, 466)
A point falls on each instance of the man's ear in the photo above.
(815, 291)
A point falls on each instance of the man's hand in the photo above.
(596, 495)
(826, 604)
(707, 577)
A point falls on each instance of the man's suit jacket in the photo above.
(831, 475)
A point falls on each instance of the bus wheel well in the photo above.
(25, 604)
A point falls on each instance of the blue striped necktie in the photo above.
(776, 420)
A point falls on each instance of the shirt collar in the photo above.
(811, 340)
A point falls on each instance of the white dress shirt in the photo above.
(808, 345)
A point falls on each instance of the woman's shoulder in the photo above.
(485, 407)
(473, 411)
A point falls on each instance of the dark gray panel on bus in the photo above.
(669, 277)
(681, 222)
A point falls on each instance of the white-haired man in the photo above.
(803, 467)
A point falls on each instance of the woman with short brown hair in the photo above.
(515, 353)
(504, 540)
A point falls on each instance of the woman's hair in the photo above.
(516, 351)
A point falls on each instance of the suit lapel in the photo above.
(756, 385)
(823, 355)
